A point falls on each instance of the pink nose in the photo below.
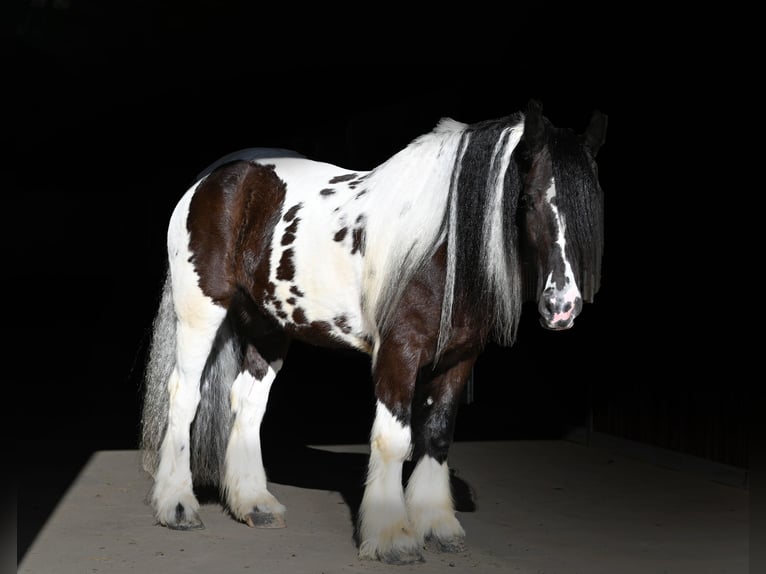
(562, 316)
(556, 310)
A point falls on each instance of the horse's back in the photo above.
(248, 154)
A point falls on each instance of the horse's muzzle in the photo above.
(557, 313)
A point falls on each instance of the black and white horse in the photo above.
(419, 262)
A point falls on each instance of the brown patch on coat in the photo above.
(341, 322)
(299, 316)
(229, 238)
(340, 235)
(289, 235)
(255, 364)
(357, 245)
(342, 178)
(358, 236)
(286, 268)
(293, 211)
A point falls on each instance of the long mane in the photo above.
(459, 184)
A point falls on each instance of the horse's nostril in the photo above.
(547, 305)
(550, 305)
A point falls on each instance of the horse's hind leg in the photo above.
(245, 487)
(428, 494)
(172, 496)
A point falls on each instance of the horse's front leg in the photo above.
(385, 532)
(429, 496)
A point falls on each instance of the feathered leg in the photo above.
(428, 495)
(385, 532)
(245, 477)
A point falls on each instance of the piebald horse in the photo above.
(419, 262)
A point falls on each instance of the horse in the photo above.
(419, 262)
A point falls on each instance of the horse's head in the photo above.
(562, 216)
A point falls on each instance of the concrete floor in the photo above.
(527, 507)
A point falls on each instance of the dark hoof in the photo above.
(452, 545)
(258, 519)
(185, 521)
(402, 557)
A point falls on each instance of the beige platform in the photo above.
(540, 507)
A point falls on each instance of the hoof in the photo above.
(185, 520)
(397, 557)
(452, 545)
(258, 519)
(402, 557)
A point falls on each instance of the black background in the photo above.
(112, 109)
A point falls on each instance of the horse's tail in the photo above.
(212, 423)
(160, 364)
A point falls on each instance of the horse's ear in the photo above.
(595, 134)
(534, 126)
